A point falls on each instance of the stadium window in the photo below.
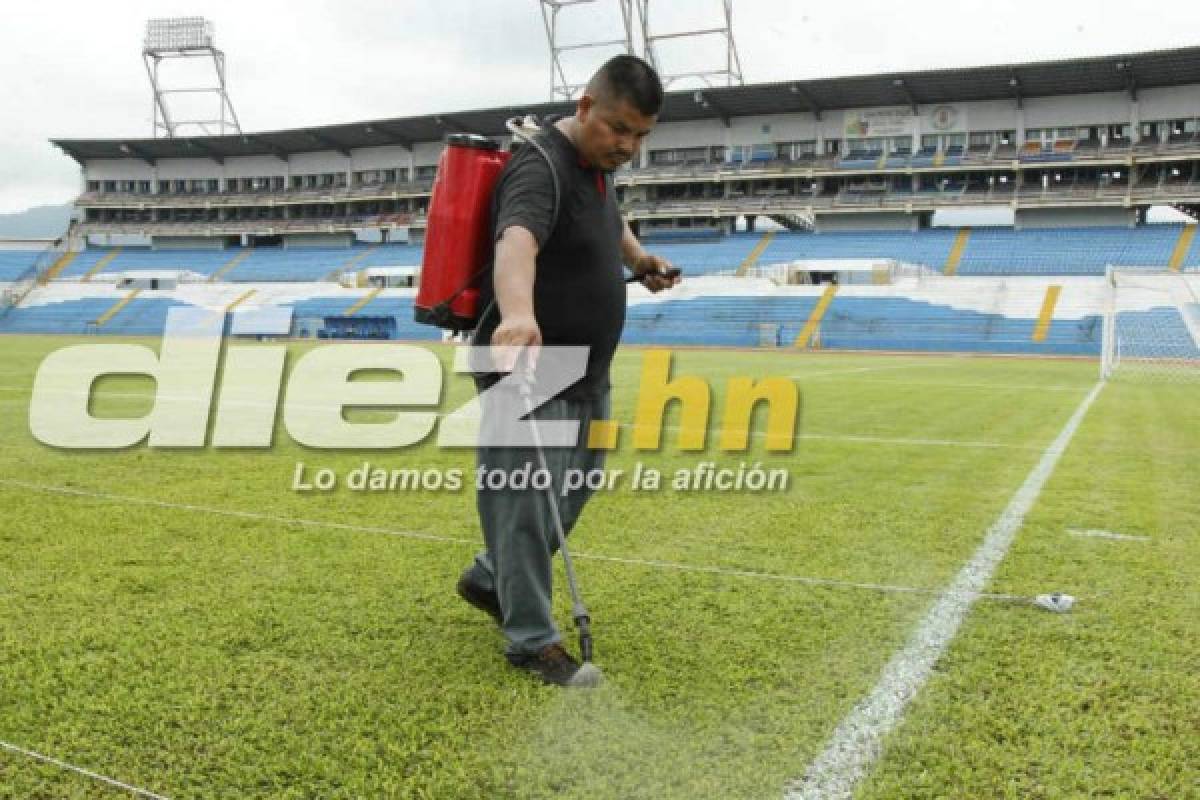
(93, 186)
(110, 186)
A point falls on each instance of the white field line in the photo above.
(1095, 534)
(343, 526)
(858, 739)
(86, 772)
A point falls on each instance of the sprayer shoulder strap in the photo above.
(540, 142)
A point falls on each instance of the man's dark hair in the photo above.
(628, 78)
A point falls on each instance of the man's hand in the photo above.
(652, 272)
(514, 334)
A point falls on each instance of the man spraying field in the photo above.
(561, 247)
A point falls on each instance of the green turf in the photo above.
(207, 655)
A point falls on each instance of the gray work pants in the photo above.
(518, 529)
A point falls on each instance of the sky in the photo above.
(74, 69)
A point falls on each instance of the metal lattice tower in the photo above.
(731, 72)
(185, 38)
(560, 87)
(639, 39)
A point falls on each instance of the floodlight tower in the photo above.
(560, 87)
(182, 38)
(731, 72)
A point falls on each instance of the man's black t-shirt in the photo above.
(579, 287)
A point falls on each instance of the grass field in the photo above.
(185, 622)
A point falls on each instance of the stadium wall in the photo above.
(835, 223)
(187, 243)
(1074, 218)
(1167, 101)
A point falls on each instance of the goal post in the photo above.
(1151, 326)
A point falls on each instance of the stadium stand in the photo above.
(864, 192)
(252, 264)
(138, 317)
(946, 315)
(14, 263)
(986, 251)
(983, 251)
(1070, 251)
(1156, 333)
(928, 312)
(929, 247)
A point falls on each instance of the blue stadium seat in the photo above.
(14, 263)
(1155, 332)
(708, 257)
(140, 317)
(259, 264)
(858, 323)
(1069, 251)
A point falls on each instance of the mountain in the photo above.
(39, 222)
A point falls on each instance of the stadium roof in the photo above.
(1125, 72)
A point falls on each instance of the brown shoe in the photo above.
(553, 664)
(484, 600)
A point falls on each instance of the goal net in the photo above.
(1152, 326)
